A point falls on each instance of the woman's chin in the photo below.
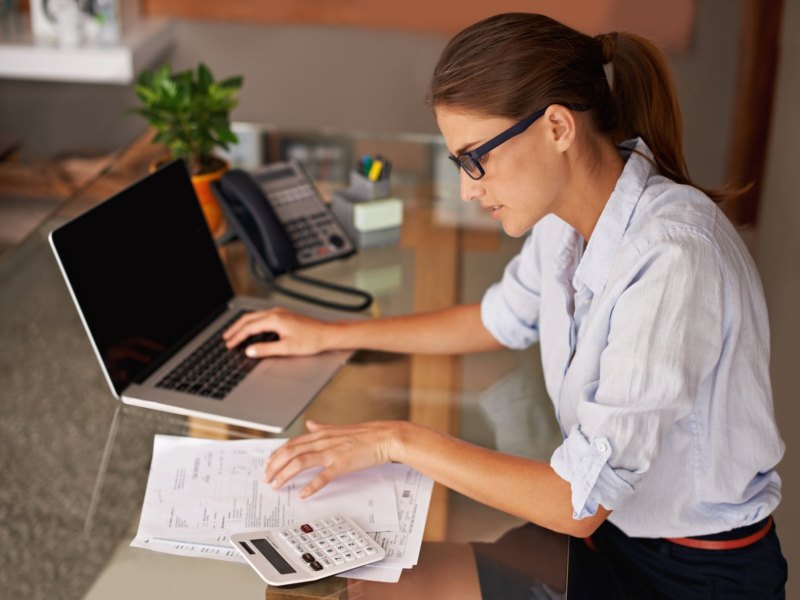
(515, 230)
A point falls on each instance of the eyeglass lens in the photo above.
(469, 165)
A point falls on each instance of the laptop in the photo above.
(154, 297)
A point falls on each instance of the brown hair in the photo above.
(511, 65)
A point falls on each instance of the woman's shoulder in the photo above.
(682, 225)
(668, 210)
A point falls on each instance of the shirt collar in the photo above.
(596, 263)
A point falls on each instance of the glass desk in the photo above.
(58, 410)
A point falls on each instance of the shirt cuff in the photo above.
(584, 464)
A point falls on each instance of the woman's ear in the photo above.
(560, 126)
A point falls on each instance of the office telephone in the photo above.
(284, 218)
(285, 225)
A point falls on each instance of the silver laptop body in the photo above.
(148, 284)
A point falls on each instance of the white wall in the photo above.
(706, 80)
(377, 80)
(346, 78)
(778, 259)
(316, 76)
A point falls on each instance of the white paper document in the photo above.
(201, 491)
(402, 547)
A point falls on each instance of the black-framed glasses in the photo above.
(470, 161)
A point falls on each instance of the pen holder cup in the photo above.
(363, 188)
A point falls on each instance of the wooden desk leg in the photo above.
(435, 380)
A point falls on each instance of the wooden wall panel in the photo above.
(759, 47)
(668, 23)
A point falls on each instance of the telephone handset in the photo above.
(285, 225)
(281, 217)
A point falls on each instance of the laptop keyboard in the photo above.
(212, 370)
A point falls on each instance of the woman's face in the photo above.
(522, 181)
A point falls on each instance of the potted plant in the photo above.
(190, 113)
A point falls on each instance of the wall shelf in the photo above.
(23, 58)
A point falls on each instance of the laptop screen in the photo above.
(144, 271)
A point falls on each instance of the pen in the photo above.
(366, 164)
(375, 170)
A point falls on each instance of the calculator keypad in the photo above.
(307, 551)
(328, 543)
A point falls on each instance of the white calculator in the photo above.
(318, 548)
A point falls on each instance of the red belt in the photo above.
(712, 544)
(724, 544)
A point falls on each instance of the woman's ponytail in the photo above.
(645, 99)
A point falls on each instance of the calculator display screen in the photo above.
(275, 559)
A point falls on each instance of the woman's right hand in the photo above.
(297, 334)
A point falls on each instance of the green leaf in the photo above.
(204, 78)
(162, 138)
(188, 109)
(233, 83)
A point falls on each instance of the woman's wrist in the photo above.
(399, 441)
(333, 336)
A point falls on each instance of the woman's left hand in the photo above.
(339, 449)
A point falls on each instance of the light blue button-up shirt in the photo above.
(655, 347)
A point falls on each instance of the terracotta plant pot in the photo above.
(208, 202)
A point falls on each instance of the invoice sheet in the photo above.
(413, 492)
(402, 547)
(201, 491)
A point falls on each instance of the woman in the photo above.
(647, 307)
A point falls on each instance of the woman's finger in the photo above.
(297, 465)
(338, 449)
(266, 349)
(252, 323)
(235, 337)
(306, 444)
(245, 319)
(334, 452)
(316, 484)
(313, 426)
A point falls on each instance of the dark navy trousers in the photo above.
(641, 568)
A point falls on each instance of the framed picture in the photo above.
(72, 22)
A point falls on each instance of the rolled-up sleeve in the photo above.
(664, 339)
(510, 308)
(584, 463)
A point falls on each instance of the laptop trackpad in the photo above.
(288, 384)
(315, 368)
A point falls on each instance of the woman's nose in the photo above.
(471, 189)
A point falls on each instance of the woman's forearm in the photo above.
(454, 330)
(522, 487)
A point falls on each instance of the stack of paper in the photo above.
(200, 491)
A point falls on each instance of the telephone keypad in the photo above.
(313, 230)
(313, 236)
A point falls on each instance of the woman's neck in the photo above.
(594, 171)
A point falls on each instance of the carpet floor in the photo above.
(20, 216)
(55, 413)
